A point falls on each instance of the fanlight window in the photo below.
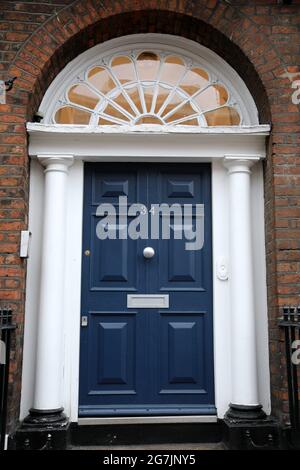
(147, 88)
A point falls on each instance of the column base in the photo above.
(249, 428)
(43, 430)
(45, 418)
(245, 412)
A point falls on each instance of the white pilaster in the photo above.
(243, 344)
(47, 394)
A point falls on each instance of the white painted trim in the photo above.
(72, 301)
(149, 146)
(260, 282)
(36, 128)
(147, 420)
(214, 64)
(221, 289)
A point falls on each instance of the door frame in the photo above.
(210, 145)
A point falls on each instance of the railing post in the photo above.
(294, 328)
(6, 327)
(290, 322)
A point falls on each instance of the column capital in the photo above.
(59, 163)
(240, 163)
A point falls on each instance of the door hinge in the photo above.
(84, 320)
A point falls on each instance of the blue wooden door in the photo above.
(137, 361)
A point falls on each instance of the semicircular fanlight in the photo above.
(147, 88)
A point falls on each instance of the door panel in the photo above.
(182, 342)
(146, 360)
(115, 271)
(113, 341)
(108, 186)
(180, 269)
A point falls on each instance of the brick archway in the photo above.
(245, 36)
(61, 39)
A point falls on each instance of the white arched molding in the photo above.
(218, 69)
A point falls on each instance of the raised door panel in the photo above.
(180, 269)
(112, 354)
(109, 186)
(111, 266)
(182, 353)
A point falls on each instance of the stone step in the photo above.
(144, 435)
(175, 447)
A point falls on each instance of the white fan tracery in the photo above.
(147, 88)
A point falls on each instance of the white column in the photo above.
(48, 378)
(243, 342)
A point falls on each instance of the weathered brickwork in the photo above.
(260, 39)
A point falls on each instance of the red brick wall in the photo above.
(260, 39)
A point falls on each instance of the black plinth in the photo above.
(42, 430)
(248, 428)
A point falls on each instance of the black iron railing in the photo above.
(290, 322)
(6, 327)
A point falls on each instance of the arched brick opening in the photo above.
(229, 31)
(152, 21)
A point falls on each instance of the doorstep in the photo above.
(144, 434)
(166, 446)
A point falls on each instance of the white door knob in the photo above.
(148, 252)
